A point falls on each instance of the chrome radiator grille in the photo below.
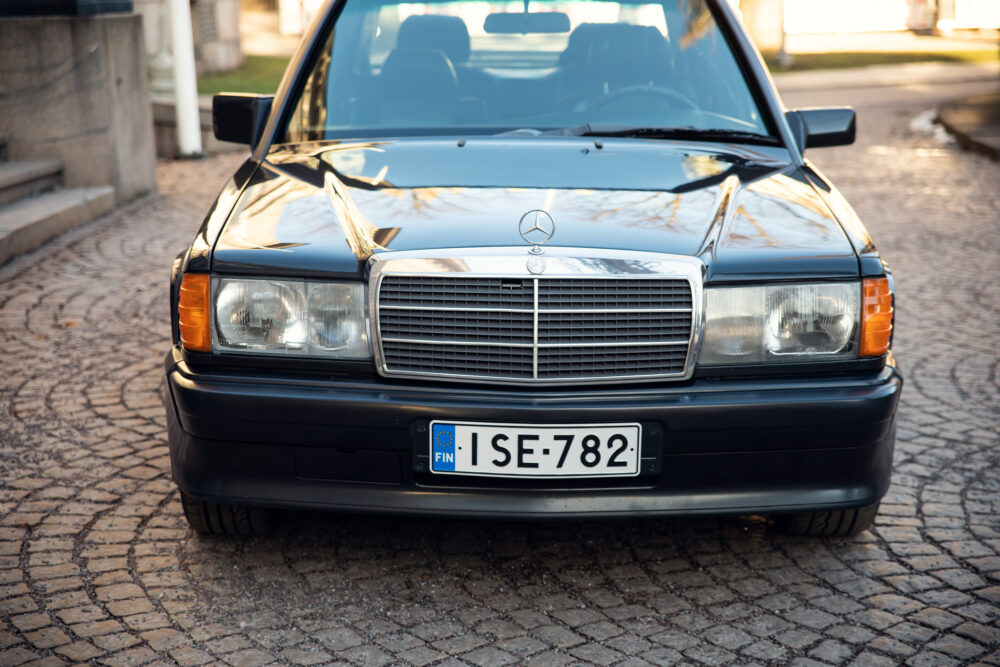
(534, 329)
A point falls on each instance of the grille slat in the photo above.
(466, 360)
(587, 328)
(477, 293)
(616, 293)
(590, 362)
(612, 327)
(457, 325)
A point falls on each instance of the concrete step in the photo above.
(27, 224)
(27, 178)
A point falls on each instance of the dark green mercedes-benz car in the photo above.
(533, 259)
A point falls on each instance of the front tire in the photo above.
(835, 523)
(208, 518)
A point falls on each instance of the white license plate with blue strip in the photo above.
(535, 450)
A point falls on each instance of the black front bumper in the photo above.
(710, 446)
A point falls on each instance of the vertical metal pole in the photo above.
(185, 81)
(785, 59)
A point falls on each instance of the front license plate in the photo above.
(535, 450)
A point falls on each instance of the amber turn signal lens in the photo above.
(876, 316)
(192, 313)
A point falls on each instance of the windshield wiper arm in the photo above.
(682, 133)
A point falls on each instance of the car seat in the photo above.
(417, 87)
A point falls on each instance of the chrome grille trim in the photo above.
(566, 346)
(534, 335)
(424, 341)
(547, 310)
(459, 310)
(490, 343)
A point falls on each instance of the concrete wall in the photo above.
(74, 89)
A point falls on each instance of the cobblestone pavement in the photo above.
(96, 562)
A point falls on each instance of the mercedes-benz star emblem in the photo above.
(536, 228)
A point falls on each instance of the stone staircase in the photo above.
(34, 207)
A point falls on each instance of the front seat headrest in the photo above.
(444, 33)
(417, 86)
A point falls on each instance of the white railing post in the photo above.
(185, 81)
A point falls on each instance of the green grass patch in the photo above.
(807, 61)
(259, 74)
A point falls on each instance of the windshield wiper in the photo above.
(682, 133)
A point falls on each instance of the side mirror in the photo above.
(240, 118)
(821, 127)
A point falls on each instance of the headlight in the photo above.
(291, 317)
(780, 323)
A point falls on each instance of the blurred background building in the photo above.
(270, 26)
(769, 21)
(215, 26)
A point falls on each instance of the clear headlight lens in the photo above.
(780, 323)
(260, 315)
(337, 317)
(291, 317)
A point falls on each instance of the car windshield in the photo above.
(470, 67)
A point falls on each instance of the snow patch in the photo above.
(926, 123)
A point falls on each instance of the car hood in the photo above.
(323, 210)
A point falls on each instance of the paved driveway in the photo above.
(97, 564)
